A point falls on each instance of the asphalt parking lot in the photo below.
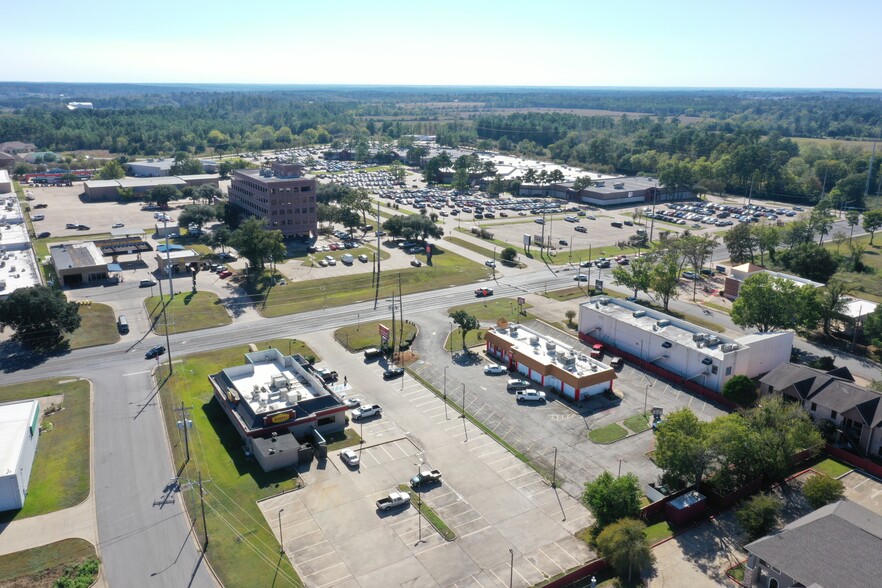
(536, 430)
(494, 502)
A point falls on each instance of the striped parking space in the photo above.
(456, 512)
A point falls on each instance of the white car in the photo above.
(495, 370)
(352, 402)
(349, 457)
(580, 278)
(490, 263)
(530, 395)
(117, 225)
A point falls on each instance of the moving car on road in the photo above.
(483, 292)
(154, 352)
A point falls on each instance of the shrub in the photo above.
(759, 515)
(820, 490)
(625, 547)
(825, 363)
(741, 390)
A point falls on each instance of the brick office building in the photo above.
(282, 196)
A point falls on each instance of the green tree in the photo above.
(466, 323)
(759, 516)
(740, 243)
(582, 182)
(255, 243)
(198, 215)
(820, 490)
(784, 429)
(741, 390)
(530, 176)
(397, 171)
(872, 222)
(40, 316)
(682, 449)
(220, 237)
(625, 547)
(208, 193)
(821, 219)
(811, 261)
(696, 250)
(570, 314)
(612, 498)
(112, 170)
(766, 303)
(508, 255)
(636, 276)
(832, 301)
(766, 237)
(665, 278)
(873, 326)
(162, 195)
(853, 218)
(460, 179)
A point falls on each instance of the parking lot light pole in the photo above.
(554, 470)
(511, 569)
(463, 400)
(281, 540)
(445, 393)
(420, 502)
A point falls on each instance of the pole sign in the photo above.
(521, 300)
(598, 285)
(384, 333)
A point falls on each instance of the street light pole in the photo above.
(281, 540)
(554, 470)
(463, 400)
(445, 392)
(511, 568)
(420, 502)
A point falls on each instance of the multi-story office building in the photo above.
(280, 195)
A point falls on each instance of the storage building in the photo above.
(19, 433)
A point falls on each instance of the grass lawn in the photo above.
(608, 434)
(575, 292)
(657, 532)
(60, 475)
(363, 335)
(473, 338)
(243, 550)
(638, 422)
(313, 258)
(832, 468)
(289, 347)
(563, 256)
(338, 441)
(187, 312)
(488, 253)
(720, 307)
(737, 572)
(490, 309)
(98, 327)
(429, 514)
(42, 566)
(448, 269)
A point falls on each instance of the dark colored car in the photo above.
(483, 292)
(41, 206)
(44, 235)
(154, 352)
(393, 373)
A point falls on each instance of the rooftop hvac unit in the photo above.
(698, 337)
(604, 301)
(292, 397)
(534, 340)
(550, 345)
(713, 341)
(729, 347)
(255, 392)
(569, 360)
(639, 313)
(618, 185)
(600, 183)
(663, 323)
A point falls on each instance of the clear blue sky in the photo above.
(749, 43)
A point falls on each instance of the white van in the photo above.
(347, 259)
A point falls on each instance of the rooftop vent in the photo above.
(713, 341)
(550, 345)
(534, 340)
(639, 313)
(698, 337)
(729, 347)
(604, 301)
(619, 185)
(663, 323)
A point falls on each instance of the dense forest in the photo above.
(715, 140)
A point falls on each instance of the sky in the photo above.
(652, 43)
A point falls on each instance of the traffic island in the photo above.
(429, 514)
(619, 430)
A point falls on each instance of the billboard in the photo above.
(384, 333)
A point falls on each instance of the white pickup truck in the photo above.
(394, 499)
(363, 412)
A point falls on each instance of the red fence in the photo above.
(661, 372)
(855, 460)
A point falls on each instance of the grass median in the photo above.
(364, 335)
(491, 309)
(447, 269)
(608, 434)
(187, 312)
(243, 551)
(44, 566)
(638, 422)
(60, 474)
(473, 338)
(429, 514)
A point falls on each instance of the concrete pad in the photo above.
(672, 569)
(524, 568)
(373, 550)
(530, 530)
(448, 563)
(317, 565)
(486, 547)
(330, 494)
(863, 490)
(348, 520)
(403, 573)
(482, 580)
(499, 503)
(330, 576)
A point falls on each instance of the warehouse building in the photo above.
(687, 354)
(281, 195)
(19, 433)
(278, 407)
(548, 362)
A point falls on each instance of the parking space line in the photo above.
(303, 561)
(332, 582)
(328, 568)
(567, 553)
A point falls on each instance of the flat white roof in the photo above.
(549, 351)
(24, 275)
(15, 234)
(857, 308)
(270, 382)
(15, 419)
(177, 254)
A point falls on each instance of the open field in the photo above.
(187, 312)
(447, 269)
(805, 141)
(60, 475)
(490, 309)
(97, 327)
(244, 552)
(42, 566)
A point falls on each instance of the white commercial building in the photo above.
(676, 349)
(19, 433)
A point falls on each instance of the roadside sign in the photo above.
(384, 333)
(521, 300)
(598, 285)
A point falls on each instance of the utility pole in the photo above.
(554, 470)
(463, 400)
(400, 313)
(168, 266)
(870, 172)
(202, 503)
(185, 424)
(165, 322)
(378, 258)
(394, 346)
(445, 392)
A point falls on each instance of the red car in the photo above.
(597, 351)
(483, 292)
(225, 274)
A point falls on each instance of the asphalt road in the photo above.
(144, 536)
